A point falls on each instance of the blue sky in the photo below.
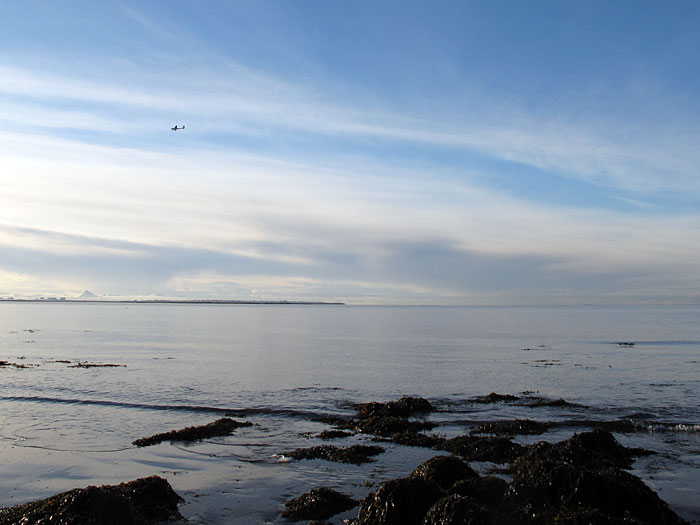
(366, 152)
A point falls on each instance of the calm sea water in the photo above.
(63, 427)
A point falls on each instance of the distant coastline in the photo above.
(165, 301)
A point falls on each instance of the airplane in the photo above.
(175, 127)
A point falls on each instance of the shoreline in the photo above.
(168, 301)
(522, 478)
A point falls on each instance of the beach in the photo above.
(69, 420)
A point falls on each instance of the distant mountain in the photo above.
(87, 294)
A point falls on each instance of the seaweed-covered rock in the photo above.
(220, 427)
(405, 407)
(457, 510)
(416, 439)
(476, 448)
(595, 447)
(410, 406)
(489, 491)
(542, 402)
(390, 425)
(139, 502)
(580, 477)
(333, 434)
(571, 489)
(512, 428)
(444, 470)
(318, 504)
(355, 454)
(403, 501)
(493, 397)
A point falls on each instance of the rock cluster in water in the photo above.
(577, 481)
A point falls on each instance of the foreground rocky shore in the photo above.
(580, 480)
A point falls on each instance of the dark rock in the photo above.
(597, 447)
(355, 454)
(371, 409)
(143, 501)
(415, 439)
(318, 504)
(340, 422)
(580, 479)
(390, 425)
(333, 434)
(444, 470)
(96, 365)
(410, 406)
(403, 501)
(457, 510)
(404, 407)
(535, 402)
(15, 365)
(573, 489)
(220, 427)
(487, 490)
(493, 397)
(476, 448)
(511, 428)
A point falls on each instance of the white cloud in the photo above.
(228, 98)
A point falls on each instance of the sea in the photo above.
(68, 420)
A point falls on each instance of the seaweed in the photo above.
(356, 454)
(493, 397)
(140, 502)
(317, 504)
(512, 428)
(220, 427)
(95, 365)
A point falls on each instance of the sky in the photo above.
(394, 152)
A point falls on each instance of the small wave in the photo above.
(234, 412)
(667, 427)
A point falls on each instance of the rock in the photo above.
(542, 402)
(220, 427)
(404, 407)
(512, 428)
(445, 471)
(489, 491)
(318, 504)
(142, 501)
(457, 510)
(493, 397)
(403, 501)
(415, 439)
(475, 448)
(595, 447)
(410, 406)
(390, 425)
(580, 479)
(355, 454)
(333, 434)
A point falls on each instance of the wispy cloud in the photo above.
(244, 101)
